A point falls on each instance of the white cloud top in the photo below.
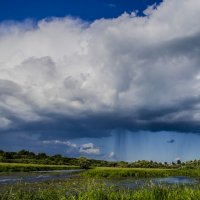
(143, 68)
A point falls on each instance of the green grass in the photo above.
(109, 172)
(96, 189)
(19, 167)
(91, 190)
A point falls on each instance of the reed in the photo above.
(111, 172)
(92, 190)
(20, 167)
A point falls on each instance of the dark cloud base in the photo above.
(100, 126)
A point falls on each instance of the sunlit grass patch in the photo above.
(111, 172)
(89, 189)
(20, 167)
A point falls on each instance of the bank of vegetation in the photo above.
(92, 190)
(113, 172)
(92, 183)
(21, 167)
(28, 157)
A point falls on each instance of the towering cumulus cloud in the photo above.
(66, 78)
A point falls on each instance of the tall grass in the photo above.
(19, 167)
(109, 172)
(91, 190)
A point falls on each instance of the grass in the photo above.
(19, 167)
(87, 188)
(109, 172)
(92, 190)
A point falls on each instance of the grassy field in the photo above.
(102, 172)
(19, 167)
(88, 188)
(109, 172)
(91, 190)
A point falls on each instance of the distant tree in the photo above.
(122, 164)
(42, 155)
(84, 163)
(31, 154)
(57, 156)
(178, 162)
(8, 155)
(113, 164)
(23, 152)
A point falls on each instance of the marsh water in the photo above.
(42, 176)
(38, 176)
(142, 182)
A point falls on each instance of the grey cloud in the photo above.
(8, 87)
(90, 149)
(171, 141)
(65, 78)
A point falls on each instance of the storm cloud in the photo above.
(67, 78)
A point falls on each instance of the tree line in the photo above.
(24, 156)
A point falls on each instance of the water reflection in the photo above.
(137, 183)
(176, 180)
(131, 183)
(39, 176)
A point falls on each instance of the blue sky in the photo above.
(87, 10)
(114, 80)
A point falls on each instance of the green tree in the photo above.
(84, 163)
(8, 155)
(178, 162)
(42, 156)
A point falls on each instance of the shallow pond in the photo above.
(176, 180)
(41, 176)
(135, 183)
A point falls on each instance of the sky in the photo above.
(88, 10)
(113, 80)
